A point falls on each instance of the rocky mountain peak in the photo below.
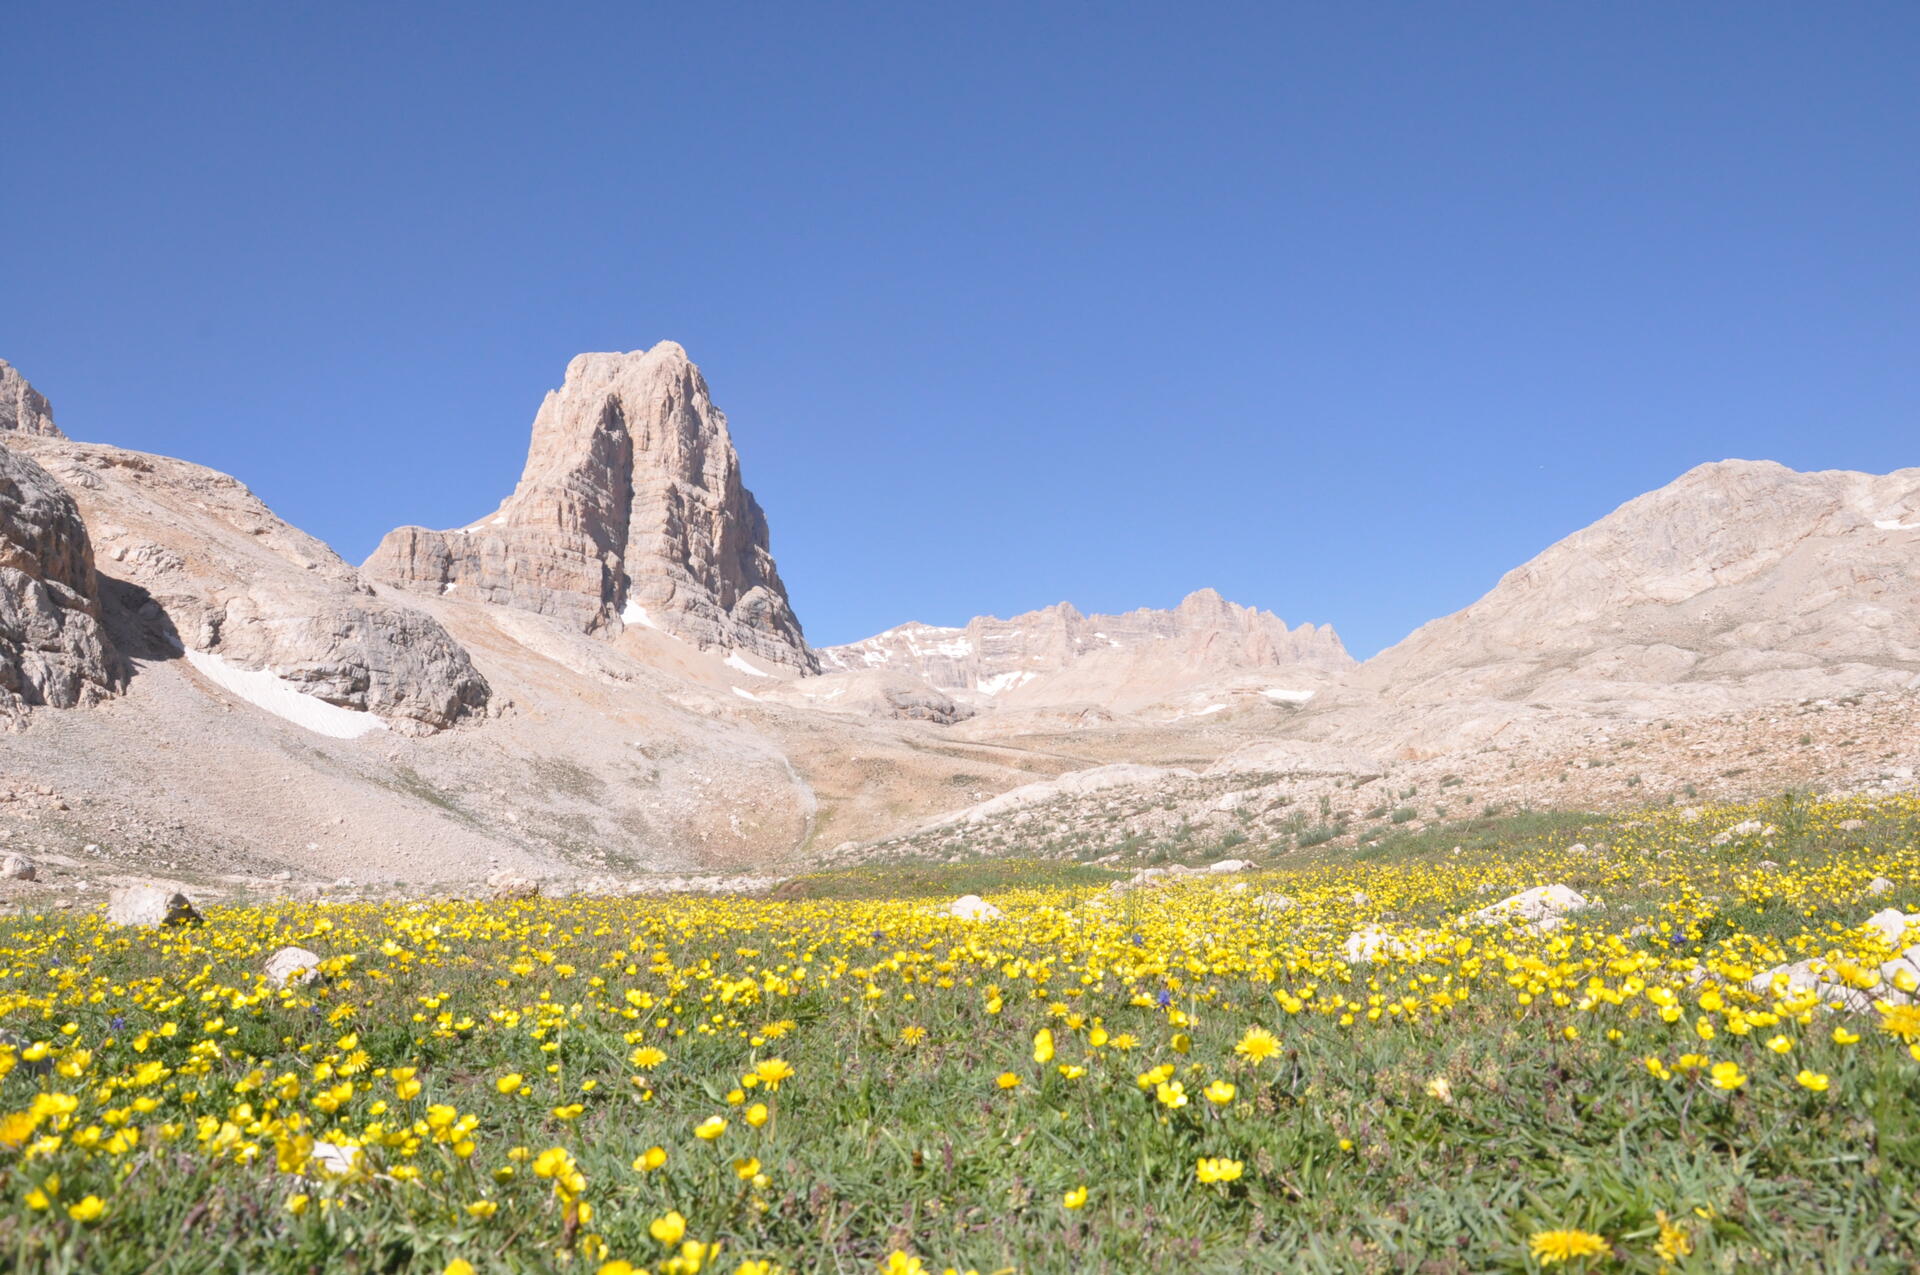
(630, 512)
(23, 409)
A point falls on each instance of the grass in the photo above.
(1430, 1112)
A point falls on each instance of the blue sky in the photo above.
(1343, 310)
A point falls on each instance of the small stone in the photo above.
(17, 867)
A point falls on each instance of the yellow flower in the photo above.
(1171, 1094)
(745, 1169)
(617, 1268)
(1074, 1199)
(1560, 1246)
(772, 1071)
(1043, 1046)
(1900, 1020)
(1006, 1080)
(482, 1209)
(1219, 1093)
(710, 1128)
(912, 1035)
(1814, 1080)
(899, 1263)
(1257, 1045)
(1674, 1242)
(1727, 1075)
(87, 1209)
(647, 1057)
(650, 1159)
(510, 1083)
(459, 1266)
(757, 1114)
(1780, 1044)
(669, 1229)
(1440, 1088)
(1841, 1036)
(297, 1204)
(1218, 1169)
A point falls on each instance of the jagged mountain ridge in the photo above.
(1021, 659)
(630, 511)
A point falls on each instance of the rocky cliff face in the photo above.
(630, 512)
(23, 410)
(199, 563)
(994, 657)
(54, 649)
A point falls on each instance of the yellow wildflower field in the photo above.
(1332, 1064)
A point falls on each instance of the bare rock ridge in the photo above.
(54, 649)
(630, 512)
(1740, 583)
(994, 657)
(23, 410)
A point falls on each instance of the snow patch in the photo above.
(278, 696)
(1004, 682)
(1894, 524)
(497, 522)
(1282, 695)
(1211, 709)
(745, 694)
(634, 613)
(734, 661)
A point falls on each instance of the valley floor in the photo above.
(1332, 1064)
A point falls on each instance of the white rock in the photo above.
(1371, 943)
(971, 907)
(1879, 885)
(1232, 865)
(17, 867)
(1542, 903)
(149, 905)
(1275, 903)
(292, 965)
(511, 885)
(1891, 923)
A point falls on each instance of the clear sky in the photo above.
(1342, 309)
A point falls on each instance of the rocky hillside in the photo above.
(630, 512)
(1058, 655)
(1740, 583)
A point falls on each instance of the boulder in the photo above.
(1372, 943)
(16, 867)
(1543, 908)
(971, 907)
(1879, 886)
(511, 885)
(150, 906)
(1891, 924)
(1233, 865)
(292, 965)
(1274, 904)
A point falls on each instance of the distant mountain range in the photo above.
(606, 674)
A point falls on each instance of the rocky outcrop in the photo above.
(1059, 655)
(630, 512)
(23, 409)
(192, 559)
(54, 648)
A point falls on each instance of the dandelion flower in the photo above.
(1257, 1045)
(1563, 1246)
